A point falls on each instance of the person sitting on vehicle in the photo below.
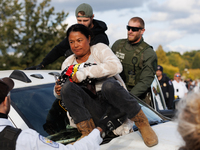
(84, 15)
(189, 121)
(99, 65)
(12, 138)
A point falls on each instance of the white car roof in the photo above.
(47, 77)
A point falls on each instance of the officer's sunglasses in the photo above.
(177, 75)
(133, 28)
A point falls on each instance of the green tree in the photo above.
(31, 31)
(9, 14)
(176, 60)
(161, 55)
(169, 70)
(196, 61)
(188, 57)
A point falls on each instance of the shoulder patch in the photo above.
(120, 55)
(48, 142)
(170, 82)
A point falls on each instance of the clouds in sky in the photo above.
(174, 24)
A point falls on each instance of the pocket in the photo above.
(131, 80)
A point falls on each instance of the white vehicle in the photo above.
(34, 106)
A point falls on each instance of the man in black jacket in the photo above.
(84, 15)
(166, 86)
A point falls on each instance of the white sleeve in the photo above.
(31, 140)
(109, 65)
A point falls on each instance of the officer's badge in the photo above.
(48, 142)
(164, 84)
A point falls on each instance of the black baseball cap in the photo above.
(160, 68)
(6, 85)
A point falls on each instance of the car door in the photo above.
(158, 101)
(157, 96)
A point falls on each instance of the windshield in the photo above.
(44, 113)
(151, 115)
(33, 104)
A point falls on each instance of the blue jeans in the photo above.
(82, 107)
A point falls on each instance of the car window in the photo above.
(151, 115)
(44, 113)
(157, 95)
(33, 104)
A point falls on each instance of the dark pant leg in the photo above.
(117, 96)
(79, 104)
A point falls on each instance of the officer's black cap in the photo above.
(6, 85)
(160, 68)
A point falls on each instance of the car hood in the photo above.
(168, 139)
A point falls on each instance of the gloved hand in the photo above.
(111, 122)
(38, 67)
(125, 128)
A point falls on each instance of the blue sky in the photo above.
(174, 24)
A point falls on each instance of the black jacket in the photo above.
(168, 90)
(63, 48)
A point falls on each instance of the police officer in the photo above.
(180, 89)
(84, 15)
(138, 58)
(166, 86)
(15, 139)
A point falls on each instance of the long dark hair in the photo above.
(79, 28)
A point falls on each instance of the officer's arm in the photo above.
(30, 139)
(58, 51)
(171, 93)
(147, 74)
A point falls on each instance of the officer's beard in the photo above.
(135, 39)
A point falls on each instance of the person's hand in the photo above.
(38, 67)
(74, 78)
(102, 133)
(58, 88)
